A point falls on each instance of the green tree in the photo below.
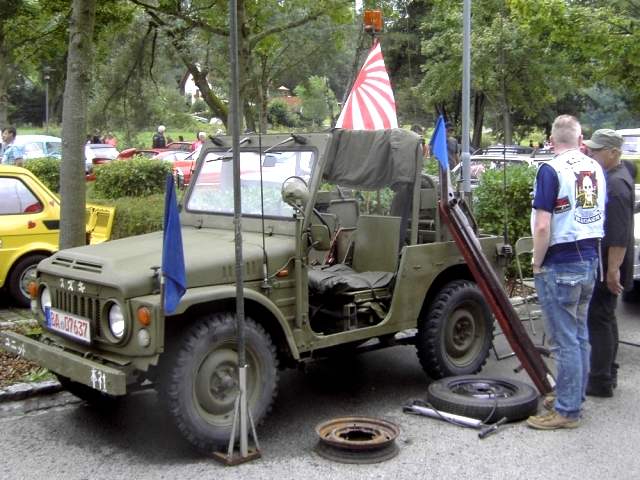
(198, 31)
(512, 72)
(318, 100)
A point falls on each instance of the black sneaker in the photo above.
(599, 390)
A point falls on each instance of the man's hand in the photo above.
(613, 281)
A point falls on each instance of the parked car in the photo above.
(499, 149)
(30, 226)
(98, 154)
(183, 161)
(631, 145)
(488, 161)
(40, 146)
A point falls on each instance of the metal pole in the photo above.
(466, 88)
(46, 101)
(237, 205)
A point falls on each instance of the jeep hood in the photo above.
(209, 256)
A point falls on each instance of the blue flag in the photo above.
(438, 143)
(175, 283)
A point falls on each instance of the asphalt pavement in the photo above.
(74, 441)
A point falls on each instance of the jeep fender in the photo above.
(201, 295)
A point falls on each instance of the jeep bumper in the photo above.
(93, 374)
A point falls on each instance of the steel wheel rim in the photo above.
(463, 334)
(215, 385)
(483, 389)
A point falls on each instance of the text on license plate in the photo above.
(70, 325)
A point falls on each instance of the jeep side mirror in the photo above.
(295, 192)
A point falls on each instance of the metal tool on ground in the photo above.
(359, 440)
(420, 408)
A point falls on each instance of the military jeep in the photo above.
(320, 278)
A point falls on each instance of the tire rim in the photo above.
(483, 389)
(215, 385)
(464, 334)
(28, 275)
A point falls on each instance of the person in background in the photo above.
(110, 139)
(159, 141)
(453, 151)
(567, 222)
(200, 138)
(617, 261)
(11, 154)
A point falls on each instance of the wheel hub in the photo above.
(462, 334)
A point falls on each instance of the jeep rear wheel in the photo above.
(454, 337)
(199, 383)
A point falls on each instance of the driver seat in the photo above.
(375, 259)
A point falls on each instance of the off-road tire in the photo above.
(198, 379)
(455, 334)
(90, 395)
(18, 275)
(484, 398)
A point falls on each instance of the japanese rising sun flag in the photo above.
(370, 105)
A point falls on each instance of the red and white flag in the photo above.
(370, 105)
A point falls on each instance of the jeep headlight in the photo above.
(45, 299)
(116, 321)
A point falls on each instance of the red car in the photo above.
(184, 162)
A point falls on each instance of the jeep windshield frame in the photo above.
(261, 177)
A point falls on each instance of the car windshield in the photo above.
(631, 144)
(213, 189)
(54, 148)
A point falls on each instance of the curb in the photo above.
(21, 391)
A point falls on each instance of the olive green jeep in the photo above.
(320, 278)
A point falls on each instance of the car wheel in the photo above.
(199, 380)
(483, 398)
(22, 273)
(455, 335)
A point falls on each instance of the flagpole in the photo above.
(466, 95)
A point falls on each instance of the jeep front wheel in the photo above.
(454, 337)
(199, 383)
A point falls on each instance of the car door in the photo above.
(29, 220)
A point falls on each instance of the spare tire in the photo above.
(484, 398)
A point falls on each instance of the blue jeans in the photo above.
(564, 291)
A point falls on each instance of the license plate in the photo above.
(69, 325)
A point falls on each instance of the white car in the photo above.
(39, 146)
(97, 154)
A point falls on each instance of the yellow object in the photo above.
(30, 221)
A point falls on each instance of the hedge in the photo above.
(137, 177)
(47, 170)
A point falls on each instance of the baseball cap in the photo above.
(604, 138)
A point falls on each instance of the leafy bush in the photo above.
(134, 178)
(493, 202)
(278, 113)
(47, 170)
(137, 215)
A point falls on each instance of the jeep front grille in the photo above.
(76, 264)
(79, 305)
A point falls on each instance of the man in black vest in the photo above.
(617, 261)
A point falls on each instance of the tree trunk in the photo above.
(4, 86)
(479, 101)
(507, 125)
(74, 124)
